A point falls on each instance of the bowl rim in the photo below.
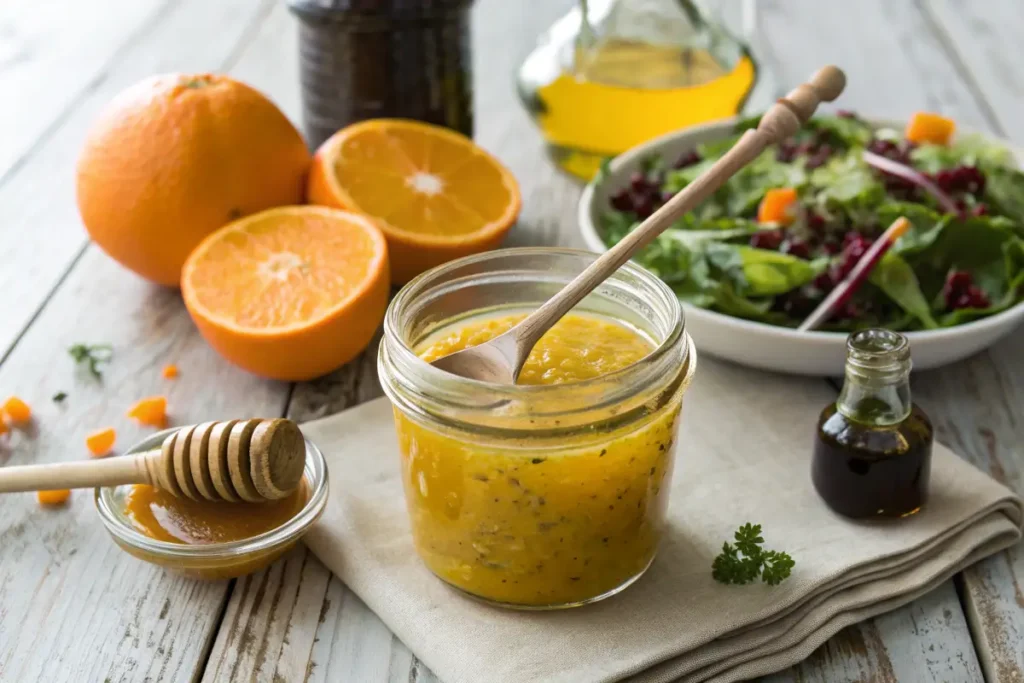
(315, 474)
(592, 238)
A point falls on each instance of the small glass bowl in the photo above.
(213, 561)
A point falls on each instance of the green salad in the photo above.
(785, 230)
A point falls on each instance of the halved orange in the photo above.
(434, 194)
(289, 293)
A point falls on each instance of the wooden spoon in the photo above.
(251, 460)
(501, 359)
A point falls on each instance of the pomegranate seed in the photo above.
(846, 114)
(831, 248)
(786, 152)
(978, 298)
(847, 311)
(979, 210)
(959, 281)
(797, 248)
(638, 181)
(824, 282)
(622, 201)
(766, 239)
(820, 157)
(666, 195)
(815, 222)
(688, 159)
(798, 304)
(643, 206)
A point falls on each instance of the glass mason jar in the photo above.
(535, 496)
(612, 74)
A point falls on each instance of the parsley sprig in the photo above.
(743, 561)
(92, 355)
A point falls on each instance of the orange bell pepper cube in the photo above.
(778, 206)
(101, 441)
(55, 497)
(150, 411)
(927, 127)
(16, 410)
(170, 371)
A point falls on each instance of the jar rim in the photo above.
(415, 286)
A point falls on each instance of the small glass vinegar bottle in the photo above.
(873, 447)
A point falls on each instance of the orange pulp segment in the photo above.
(928, 127)
(151, 411)
(54, 497)
(101, 441)
(16, 410)
(433, 192)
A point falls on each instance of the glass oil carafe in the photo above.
(612, 74)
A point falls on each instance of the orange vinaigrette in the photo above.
(538, 528)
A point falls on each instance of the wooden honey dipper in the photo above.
(235, 460)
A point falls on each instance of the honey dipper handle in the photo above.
(80, 474)
(781, 121)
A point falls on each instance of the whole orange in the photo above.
(175, 157)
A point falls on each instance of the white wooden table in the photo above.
(73, 607)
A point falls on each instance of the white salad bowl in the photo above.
(769, 347)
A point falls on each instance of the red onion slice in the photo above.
(912, 175)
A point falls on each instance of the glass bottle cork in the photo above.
(873, 446)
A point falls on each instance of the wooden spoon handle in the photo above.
(80, 474)
(782, 120)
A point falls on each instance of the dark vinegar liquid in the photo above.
(864, 471)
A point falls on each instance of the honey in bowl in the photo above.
(521, 524)
(165, 517)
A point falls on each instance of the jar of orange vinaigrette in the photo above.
(552, 492)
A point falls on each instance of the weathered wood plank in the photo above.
(985, 40)
(910, 644)
(50, 53)
(41, 234)
(73, 606)
(975, 406)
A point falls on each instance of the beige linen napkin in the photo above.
(744, 456)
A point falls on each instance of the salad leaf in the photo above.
(764, 272)
(967, 150)
(844, 131)
(847, 180)
(1004, 189)
(926, 224)
(894, 276)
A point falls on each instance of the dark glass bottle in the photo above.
(362, 59)
(873, 446)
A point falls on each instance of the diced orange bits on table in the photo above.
(150, 411)
(170, 371)
(54, 497)
(16, 410)
(778, 206)
(927, 127)
(101, 442)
